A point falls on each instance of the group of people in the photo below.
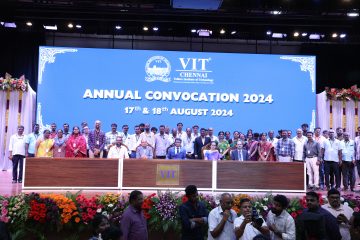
(327, 156)
(332, 221)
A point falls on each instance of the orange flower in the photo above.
(77, 219)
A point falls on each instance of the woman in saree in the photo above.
(76, 144)
(44, 146)
(252, 147)
(265, 150)
(223, 145)
(59, 144)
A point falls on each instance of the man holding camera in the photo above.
(249, 224)
(280, 222)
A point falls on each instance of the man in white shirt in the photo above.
(348, 162)
(299, 142)
(125, 134)
(249, 224)
(180, 133)
(188, 144)
(272, 138)
(341, 212)
(221, 220)
(280, 222)
(320, 139)
(332, 154)
(118, 150)
(148, 136)
(211, 135)
(195, 131)
(161, 143)
(133, 141)
(17, 153)
(110, 137)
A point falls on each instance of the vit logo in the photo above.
(157, 68)
(194, 64)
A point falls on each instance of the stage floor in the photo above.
(9, 188)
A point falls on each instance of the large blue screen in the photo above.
(220, 90)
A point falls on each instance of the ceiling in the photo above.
(247, 19)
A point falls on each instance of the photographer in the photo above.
(249, 224)
(280, 222)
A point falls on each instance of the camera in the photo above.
(256, 218)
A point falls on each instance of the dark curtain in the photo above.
(19, 53)
(337, 65)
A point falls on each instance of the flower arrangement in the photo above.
(36, 213)
(164, 212)
(13, 84)
(343, 94)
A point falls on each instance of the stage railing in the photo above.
(156, 174)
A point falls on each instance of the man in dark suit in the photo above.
(200, 142)
(176, 152)
(239, 153)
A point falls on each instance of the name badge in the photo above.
(59, 150)
(74, 144)
(97, 142)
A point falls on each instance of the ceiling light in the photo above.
(276, 12)
(343, 35)
(268, 33)
(278, 35)
(117, 27)
(9, 24)
(233, 32)
(352, 14)
(314, 36)
(304, 34)
(155, 29)
(50, 27)
(204, 32)
(145, 28)
(70, 25)
(193, 30)
(334, 35)
(296, 34)
(222, 31)
(78, 26)
(29, 24)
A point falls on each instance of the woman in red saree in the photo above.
(265, 150)
(76, 145)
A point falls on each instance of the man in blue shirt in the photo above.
(30, 141)
(193, 214)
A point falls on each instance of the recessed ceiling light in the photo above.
(145, 28)
(50, 27)
(155, 29)
(70, 25)
(304, 34)
(78, 26)
(222, 31)
(296, 34)
(193, 30)
(117, 27)
(343, 35)
(268, 33)
(352, 14)
(29, 24)
(276, 12)
(334, 35)
(233, 32)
